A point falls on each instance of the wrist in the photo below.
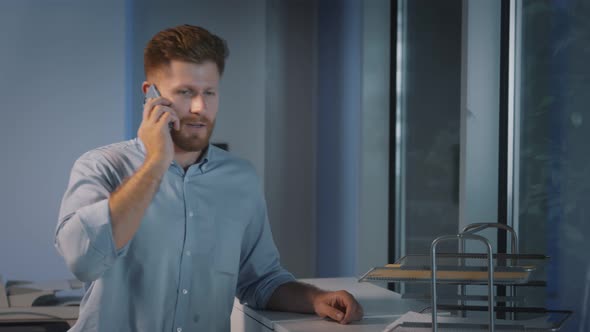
(155, 167)
(315, 294)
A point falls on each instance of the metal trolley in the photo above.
(462, 269)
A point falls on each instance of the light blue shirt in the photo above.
(204, 239)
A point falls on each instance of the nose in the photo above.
(197, 104)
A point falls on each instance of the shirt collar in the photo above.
(207, 154)
(203, 160)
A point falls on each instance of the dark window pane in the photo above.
(554, 160)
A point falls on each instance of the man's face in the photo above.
(193, 90)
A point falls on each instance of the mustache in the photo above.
(195, 119)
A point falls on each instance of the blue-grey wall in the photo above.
(62, 76)
(338, 136)
(290, 131)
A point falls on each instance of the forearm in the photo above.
(129, 202)
(294, 297)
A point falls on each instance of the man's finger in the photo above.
(348, 310)
(159, 110)
(156, 114)
(174, 120)
(165, 119)
(176, 123)
(328, 311)
(151, 103)
(354, 310)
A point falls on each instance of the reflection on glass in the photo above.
(433, 69)
(554, 160)
(431, 108)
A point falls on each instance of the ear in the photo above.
(145, 86)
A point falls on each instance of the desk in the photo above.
(380, 305)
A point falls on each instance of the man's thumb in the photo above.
(332, 312)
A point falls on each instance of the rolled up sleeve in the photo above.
(84, 234)
(260, 269)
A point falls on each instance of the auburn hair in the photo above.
(185, 43)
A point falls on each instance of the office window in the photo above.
(425, 143)
(543, 160)
(431, 93)
(552, 152)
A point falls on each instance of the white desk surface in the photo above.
(380, 305)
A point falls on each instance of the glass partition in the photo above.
(552, 161)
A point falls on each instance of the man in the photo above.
(166, 229)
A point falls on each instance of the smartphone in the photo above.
(153, 92)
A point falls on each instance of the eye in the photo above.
(185, 92)
(209, 93)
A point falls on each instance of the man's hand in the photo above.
(129, 201)
(154, 131)
(301, 297)
(340, 306)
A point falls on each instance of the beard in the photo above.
(189, 140)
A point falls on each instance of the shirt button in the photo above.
(184, 291)
(179, 329)
(196, 318)
(188, 252)
(190, 214)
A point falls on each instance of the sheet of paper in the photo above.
(414, 317)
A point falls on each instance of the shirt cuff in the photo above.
(269, 287)
(96, 221)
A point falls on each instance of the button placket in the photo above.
(185, 265)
